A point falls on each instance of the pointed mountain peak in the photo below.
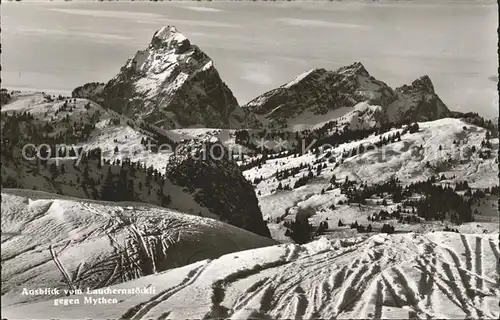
(357, 68)
(423, 83)
(169, 37)
(159, 83)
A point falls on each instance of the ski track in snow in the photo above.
(406, 275)
(140, 311)
(64, 242)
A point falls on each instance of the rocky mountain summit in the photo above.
(172, 83)
(319, 91)
(418, 102)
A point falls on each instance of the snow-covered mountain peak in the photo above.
(171, 84)
(321, 74)
(357, 68)
(168, 50)
(170, 38)
(168, 34)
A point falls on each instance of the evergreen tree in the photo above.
(108, 190)
(300, 231)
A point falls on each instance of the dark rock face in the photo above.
(422, 84)
(171, 84)
(4, 97)
(319, 91)
(206, 171)
(419, 102)
(91, 90)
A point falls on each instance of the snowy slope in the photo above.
(119, 138)
(110, 129)
(432, 276)
(64, 114)
(235, 204)
(403, 160)
(97, 243)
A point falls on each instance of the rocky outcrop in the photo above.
(319, 91)
(205, 170)
(91, 90)
(418, 102)
(171, 84)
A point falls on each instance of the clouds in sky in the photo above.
(202, 9)
(90, 36)
(150, 18)
(110, 14)
(318, 23)
(200, 23)
(257, 73)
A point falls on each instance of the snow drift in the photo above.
(434, 276)
(61, 242)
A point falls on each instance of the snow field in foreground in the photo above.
(437, 275)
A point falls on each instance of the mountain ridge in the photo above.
(174, 84)
(319, 91)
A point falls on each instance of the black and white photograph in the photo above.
(241, 160)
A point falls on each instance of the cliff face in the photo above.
(206, 172)
(319, 91)
(172, 84)
(418, 102)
